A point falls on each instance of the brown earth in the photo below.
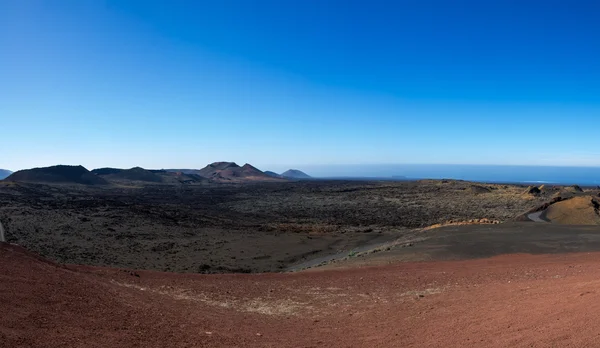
(506, 301)
(581, 210)
(210, 228)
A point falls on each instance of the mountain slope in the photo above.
(216, 168)
(4, 173)
(272, 174)
(231, 172)
(58, 174)
(147, 175)
(106, 171)
(184, 171)
(134, 174)
(176, 177)
(295, 174)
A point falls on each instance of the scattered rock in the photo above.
(533, 190)
(478, 189)
(574, 188)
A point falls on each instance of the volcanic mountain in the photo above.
(58, 174)
(133, 174)
(231, 172)
(272, 174)
(183, 171)
(171, 177)
(4, 173)
(107, 171)
(144, 175)
(295, 174)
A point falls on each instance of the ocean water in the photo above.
(586, 176)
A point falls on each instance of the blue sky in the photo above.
(279, 84)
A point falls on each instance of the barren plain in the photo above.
(257, 227)
(337, 264)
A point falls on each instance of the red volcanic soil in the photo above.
(506, 301)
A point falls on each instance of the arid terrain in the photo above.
(391, 264)
(255, 227)
(505, 301)
(299, 174)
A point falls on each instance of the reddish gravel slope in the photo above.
(514, 300)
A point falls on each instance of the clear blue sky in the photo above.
(284, 83)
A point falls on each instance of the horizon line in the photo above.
(298, 167)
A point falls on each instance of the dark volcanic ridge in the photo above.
(231, 172)
(146, 175)
(133, 174)
(106, 171)
(58, 174)
(214, 172)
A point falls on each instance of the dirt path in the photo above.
(511, 300)
(338, 256)
(537, 216)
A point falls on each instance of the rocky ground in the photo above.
(208, 228)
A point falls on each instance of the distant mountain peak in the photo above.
(231, 172)
(248, 165)
(4, 173)
(223, 165)
(295, 174)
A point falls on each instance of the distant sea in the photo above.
(585, 176)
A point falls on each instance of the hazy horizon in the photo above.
(284, 167)
(327, 169)
(483, 173)
(161, 84)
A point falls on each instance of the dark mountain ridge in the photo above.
(146, 175)
(133, 174)
(58, 174)
(106, 171)
(231, 172)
